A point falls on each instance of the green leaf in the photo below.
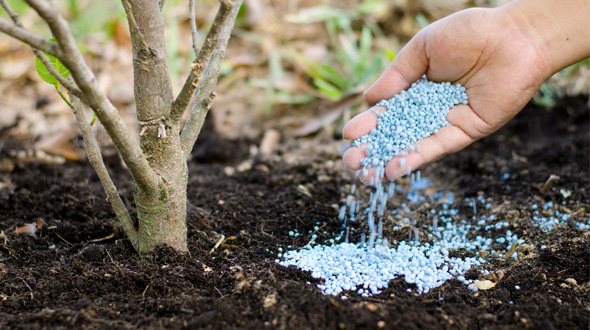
(372, 6)
(422, 20)
(288, 98)
(275, 66)
(317, 70)
(44, 73)
(173, 46)
(370, 71)
(365, 43)
(331, 92)
(333, 76)
(390, 54)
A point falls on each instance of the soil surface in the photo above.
(79, 270)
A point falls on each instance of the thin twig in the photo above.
(193, 22)
(128, 148)
(30, 290)
(13, 15)
(66, 83)
(29, 38)
(218, 35)
(206, 93)
(63, 81)
(552, 178)
(63, 239)
(97, 162)
(219, 241)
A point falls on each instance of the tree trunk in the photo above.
(162, 213)
(161, 210)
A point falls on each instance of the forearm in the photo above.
(559, 29)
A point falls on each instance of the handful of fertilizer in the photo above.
(411, 116)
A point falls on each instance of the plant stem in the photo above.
(63, 97)
(96, 160)
(73, 60)
(218, 35)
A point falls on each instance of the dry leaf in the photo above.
(484, 285)
(30, 228)
(120, 33)
(303, 189)
(372, 307)
(59, 145)
(16, 68)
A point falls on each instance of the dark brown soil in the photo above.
(80, 271)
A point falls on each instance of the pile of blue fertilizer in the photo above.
(411, 116)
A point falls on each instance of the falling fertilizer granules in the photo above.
(368, 266)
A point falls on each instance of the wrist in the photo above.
(559, 30)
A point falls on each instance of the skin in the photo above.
(501, 55)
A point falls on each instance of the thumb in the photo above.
(409, 65)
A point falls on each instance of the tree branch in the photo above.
(66, 83)
(218, 35)
(205, 96)
(193, 23)
(152, 84)
(29, 38)
(72, 59)
(195, 121)
(131, 19)
(96, 160)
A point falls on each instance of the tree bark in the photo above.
(162, 212)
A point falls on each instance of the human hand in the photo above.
(484, 50)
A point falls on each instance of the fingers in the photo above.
(362, 124)
(353, 156)
(352, 160)
(447, 140)
(410, 64)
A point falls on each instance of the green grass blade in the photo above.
(327, 89)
